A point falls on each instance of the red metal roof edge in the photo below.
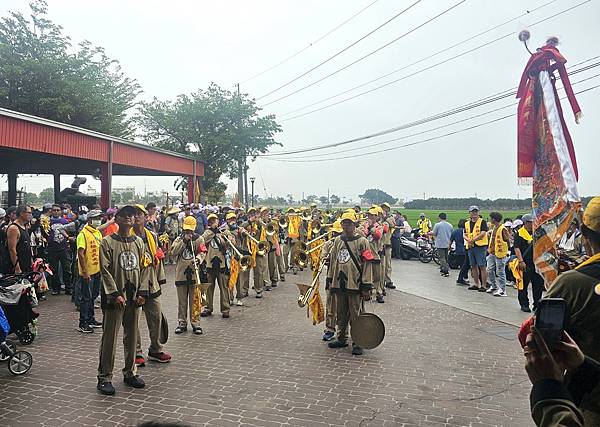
(51, 123)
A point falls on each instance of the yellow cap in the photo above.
(348, 215)
(373, 211)
(591, 215)
(337, 227)
(211, 216)
(313, 205)
(189, 223)
(230, 215)
(291, 210)
(251, 211)
(173, 210)
(142, 208)
(264, 209)
(386, 205)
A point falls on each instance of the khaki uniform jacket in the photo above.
(343, 274)
(374, 235)
(121, 269)
(217, 248)
(387, 236)
(153, 275)
(184, 270)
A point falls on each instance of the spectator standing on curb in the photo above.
(442, 231)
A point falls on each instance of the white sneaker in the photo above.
(500, 293)
(239, 303)
(492, 289)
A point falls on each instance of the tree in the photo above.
(127, 196)
(323, 200)
(290, 199)
(42, 74)
(46, 195)
(214, 125)
(32, 199)
(334, 200)
(115, 197)
(377, 196)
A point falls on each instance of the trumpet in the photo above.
(302, 246)
(263, 245)
(271, 230)
(301, 257)
(307, 292)
(317, 229)
(306, 215)
(244, 260)
(283, 222)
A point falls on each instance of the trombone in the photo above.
(317, 228)
(262, 246)
(199, 298)
(303, 247)
(306, 295)
(301, 257)
(244, 260)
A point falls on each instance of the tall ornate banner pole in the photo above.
(545, 152)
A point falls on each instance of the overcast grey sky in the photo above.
(179, 46)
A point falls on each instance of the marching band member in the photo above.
(244, 245)
(274, 249)
(373, 232)
(153, 275)
(294, 235)
(350, 278)
(330, 307)
(184, 248)
(122, 294)
(280, 258)
(261, 267)
(387, 245)
(216, 265)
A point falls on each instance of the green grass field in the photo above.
(453, 216)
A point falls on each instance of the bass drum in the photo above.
(368, 331)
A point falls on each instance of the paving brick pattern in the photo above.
(267, 366)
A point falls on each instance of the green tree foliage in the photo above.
(33, 199)
(323, 200)
(215, 125)
(43, 74)
(375, 195)
(335, 200)
(46, 195)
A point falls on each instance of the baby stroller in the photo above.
(19, 362)
(17, 299)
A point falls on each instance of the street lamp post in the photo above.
(252, 179)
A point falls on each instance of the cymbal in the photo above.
(367, 331)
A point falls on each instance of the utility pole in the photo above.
(328, 202)
(242, 189)
(252, 179)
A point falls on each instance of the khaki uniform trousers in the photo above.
(243, 284)
(152, 313)
(293, 251)
(330, 312)
(261, 273)
(185, 299)
(348, 308)
(387, 263)
(113, 319)
(273, 272)
(286, 257)
(281, 268)
(216, 278)
(377, 282)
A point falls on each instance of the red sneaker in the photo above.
(161, 357)
(140, 361)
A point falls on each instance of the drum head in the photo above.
(367, 331)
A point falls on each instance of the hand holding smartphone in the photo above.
(550, 320)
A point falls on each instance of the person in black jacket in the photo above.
(552, 402)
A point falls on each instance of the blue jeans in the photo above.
(496, 268)
(88, 292)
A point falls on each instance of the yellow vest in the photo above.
(476, 230)
(500, 246)
(423, 225)
(92, 250)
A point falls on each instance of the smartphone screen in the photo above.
(550, 320)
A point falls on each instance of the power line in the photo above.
(367, 55)
(428, 130)
(431, 66)
(421, 60)
(423, 141)
(473, 104)
(311, 44)
(343, 50)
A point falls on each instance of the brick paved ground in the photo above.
(266, 366)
